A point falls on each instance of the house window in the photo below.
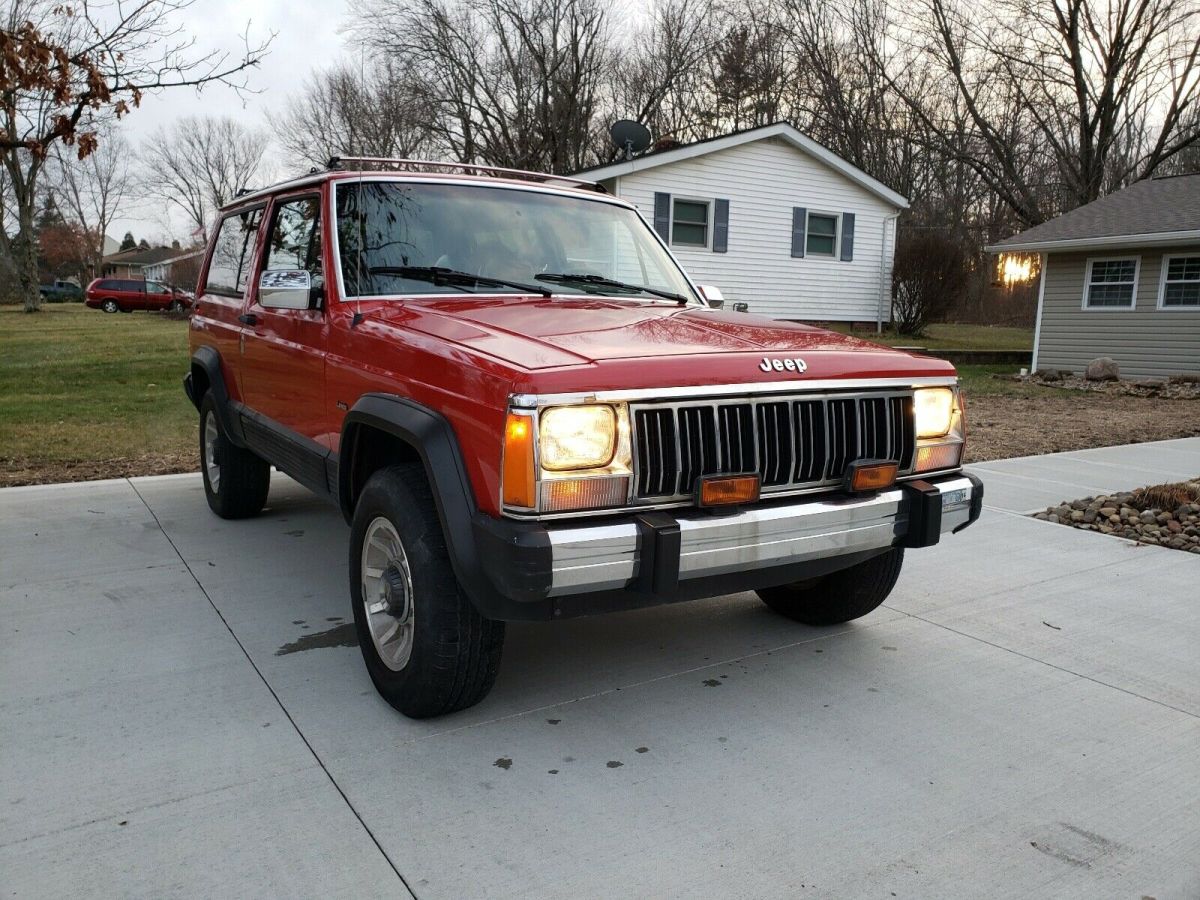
(689, 223)
(1111, 283)
(1181, 283)
(822, 235)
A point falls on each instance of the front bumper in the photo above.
(563, 569)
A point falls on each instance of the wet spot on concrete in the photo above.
(642, 750)
(334, 619)
(503, 763)
(123, 822)
(873, 690)
(552, 771)
(299, 532)
(818, 650)
(711, 682)
(614, 764)
(724, 676)
(553, 721)
(211, 563)
(568, 759)
(297, 621)
(341, 636)
(886, 647)
(723, 740)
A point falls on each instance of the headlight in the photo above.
(577, 437)
(934, 408)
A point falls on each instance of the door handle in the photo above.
(248, 319)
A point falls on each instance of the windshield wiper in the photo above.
(559, 277)
(442, 275)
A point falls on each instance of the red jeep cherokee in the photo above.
(526, 410)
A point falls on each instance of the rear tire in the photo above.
(110, 306)
(840, 596)
(427, 649)
(236, 481)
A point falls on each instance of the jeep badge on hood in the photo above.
(796, 365)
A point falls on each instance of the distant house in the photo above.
(180, 270)
(133, 263)
(1120, 278)
(771, 218)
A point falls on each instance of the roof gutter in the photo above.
(1157, 238)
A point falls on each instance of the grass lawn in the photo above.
(85, 394)
(952, 337)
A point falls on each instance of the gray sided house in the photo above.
(1121, 278)
(771, 218)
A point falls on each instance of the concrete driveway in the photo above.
(182, 712)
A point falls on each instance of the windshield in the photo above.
(389, 230)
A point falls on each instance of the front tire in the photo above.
(840, 596)
(427, 650)
(236, 481)
(110, 306)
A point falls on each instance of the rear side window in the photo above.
(233, 253)
(130, 286)
(108, 284)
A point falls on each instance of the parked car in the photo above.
(60, 292)
(525, 410)
(127, 294)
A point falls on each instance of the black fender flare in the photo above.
(432, 436)
(208, 359)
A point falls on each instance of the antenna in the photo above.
(632, 137)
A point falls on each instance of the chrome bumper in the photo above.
(602, 557)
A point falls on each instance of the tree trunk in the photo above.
(25, 260)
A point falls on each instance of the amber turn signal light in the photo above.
(518, 461)
(868, 475)
(729, 490)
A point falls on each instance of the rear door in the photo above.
(223, 290)
(283, 356)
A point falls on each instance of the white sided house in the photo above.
(772, 219)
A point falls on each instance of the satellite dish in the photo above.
(632, 137)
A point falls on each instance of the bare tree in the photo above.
(201, 164)
(65, 70)
(349, 110)
(510, 82)
(91, 192)
(1103, 89)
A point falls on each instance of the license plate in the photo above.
(952, 499)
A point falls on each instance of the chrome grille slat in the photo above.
(790, 441)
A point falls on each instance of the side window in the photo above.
(295, 238)
(233, 253)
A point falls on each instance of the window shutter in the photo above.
(720, 226)
(799, 222)
(662, 216)
(847, 236)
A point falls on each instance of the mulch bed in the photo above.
(1051, 421)
(1164, 515)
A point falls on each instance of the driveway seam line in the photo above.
(1051, 665)
(257, 671)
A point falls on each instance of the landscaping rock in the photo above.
(1103, 368)
(1131, 515)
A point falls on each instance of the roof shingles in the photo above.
(1153, 206)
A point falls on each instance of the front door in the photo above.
(283, 350)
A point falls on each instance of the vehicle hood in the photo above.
(538, 334)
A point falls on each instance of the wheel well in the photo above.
(369, 450)
(200, 382)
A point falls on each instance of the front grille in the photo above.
(789, 442)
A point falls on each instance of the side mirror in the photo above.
(712, 294)
(285, 289)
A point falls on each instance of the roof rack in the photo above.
(383, 164)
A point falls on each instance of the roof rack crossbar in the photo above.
(380, 163)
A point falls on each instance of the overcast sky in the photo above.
(307, 38)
